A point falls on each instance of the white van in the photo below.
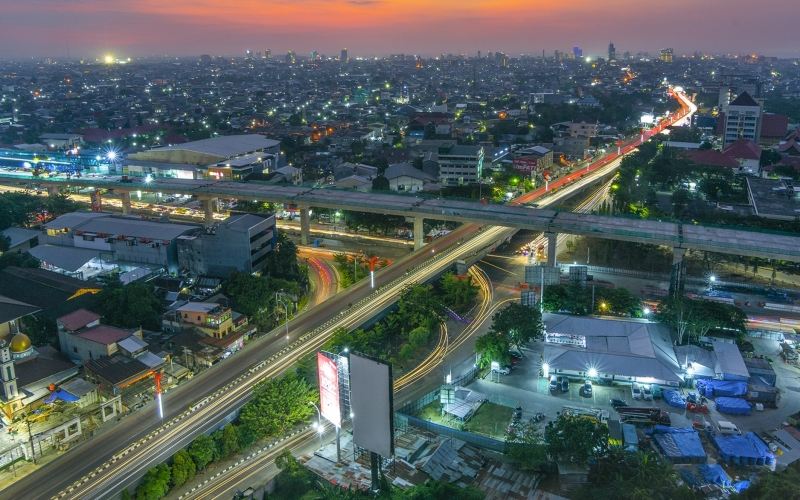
(725, 427)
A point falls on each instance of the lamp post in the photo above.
(319, 427)
(282, 300)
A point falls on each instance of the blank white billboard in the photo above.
(371, 404)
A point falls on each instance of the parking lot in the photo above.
(524, 387)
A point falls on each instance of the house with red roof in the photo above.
(746, 153)
(83, 337)
(711, 158)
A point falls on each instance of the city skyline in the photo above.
(50, 28)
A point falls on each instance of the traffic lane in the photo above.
(96, 451)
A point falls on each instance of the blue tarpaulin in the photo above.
(743, 450)
(679, 445)
(714, 473)
(714, 388)
(674, 398)
(733, 406)
(630, 438)
(62, 395)
(742, 485)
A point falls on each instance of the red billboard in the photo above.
(328, 374)
(526, 164)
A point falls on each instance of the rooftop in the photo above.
(18, 235)
(67, 258)
(201, 307)
(773, 198)
(243, 222)
(104, 334)
(133, 227)
(225, 146)
(11, 309)
(744, 99)
(76, 320)
(117, 369)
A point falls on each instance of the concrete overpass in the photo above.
(735, 241)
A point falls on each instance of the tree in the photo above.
(458, 292)
(130, 306)
(277, 405)
(183, 468)
(202, 451)
(519, 323)
(775, 485)
(294, 480)
(492, 347)
(380, 183)
(40, 329)
(440, 490)
(526, 447)
(154, 484)
(226, 441)
(576, 439)
(635, 476)
(698, 317)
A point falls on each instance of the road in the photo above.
(119, 455)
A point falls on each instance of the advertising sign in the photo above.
(328, 374)
(371, 403)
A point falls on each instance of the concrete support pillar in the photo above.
(419, 232)
(678, 274)
(208, 210)
(552, 248)
(305, 225)
(125, 196)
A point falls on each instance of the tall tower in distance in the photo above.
(344, 56)
(666, 55)
(612, 52)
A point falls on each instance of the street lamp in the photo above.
(318, 427)
(280, 299)
(592, 372)
(546, 370)
(646, 311)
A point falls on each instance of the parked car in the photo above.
(618, 403)
(503, 370)
(555, 383)
(564, 384)
(586, 389)
(726, 427)
(636, 391)
(647, 392)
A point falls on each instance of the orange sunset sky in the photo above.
(89, 28)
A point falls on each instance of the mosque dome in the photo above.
(20, 343)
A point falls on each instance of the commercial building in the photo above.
(239, 243)
(61, 141)
(403, 177)
(742, 120)
(666, 55)
(209, 331)
(532, 160)
(614, 350)
(80, 238)
(230, 157)
(460, 165)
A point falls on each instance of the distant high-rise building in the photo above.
(666, 55)
(248, 54)
(577, 52)
(742, 120)
(291, 58)
(612, 52)
(344, 56)
(314, 55)
(267, 53)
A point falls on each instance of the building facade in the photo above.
(460, 165)
(742, 120)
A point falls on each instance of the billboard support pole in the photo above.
(376, 481)
(338, 447)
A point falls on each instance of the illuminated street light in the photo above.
(546, 370)
(111, 155)
(646, 311)
(592, 372)
(712, 278)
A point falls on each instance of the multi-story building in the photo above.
(82, 337)
(612, 52)
(742, 120)
(460, 165)
(239, 243)
(343, 56)
(532, 160)
(666, 55)
(210, 318)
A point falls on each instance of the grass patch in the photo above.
(490, 420)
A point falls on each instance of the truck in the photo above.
(764, 394)
(643, 415)
(595, 413)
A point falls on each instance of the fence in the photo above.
(468, 437)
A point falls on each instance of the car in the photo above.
(618, 403)
(647, 392)
(726, 427)
(586, 389)
(503, 370)
(564, 384)
(555, 383)
(636, 391)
